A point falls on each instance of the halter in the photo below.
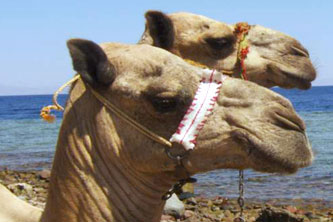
(188, 129)
(196, 125)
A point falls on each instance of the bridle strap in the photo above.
(46, 112)
(129, 120)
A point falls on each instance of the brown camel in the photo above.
(274, 59)
(106, 170)
(13, 209)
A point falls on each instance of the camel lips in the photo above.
(201, 107)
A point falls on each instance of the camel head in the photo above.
(250, 127)
(274, 59)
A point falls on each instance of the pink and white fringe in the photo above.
(201, 107)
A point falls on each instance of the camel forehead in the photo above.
(117, 50)
(192, 24)
(186, 16)
(144, 59)
(184, 21)
(142, 68)
(261, 35)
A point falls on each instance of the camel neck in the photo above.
(92, 181)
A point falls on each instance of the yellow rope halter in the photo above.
(46, 112)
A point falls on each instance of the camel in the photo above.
(104, 169)
(9, 205)
(274, 59)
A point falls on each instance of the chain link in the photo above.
(241, 200)
(177, 188)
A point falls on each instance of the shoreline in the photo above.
(198, 208)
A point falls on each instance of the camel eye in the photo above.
(219, 43)
(164, 105)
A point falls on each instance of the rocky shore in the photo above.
(32, 186)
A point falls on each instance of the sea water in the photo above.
(28, 143)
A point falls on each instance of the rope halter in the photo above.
(192, 122)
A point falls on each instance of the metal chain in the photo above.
(241, 200)
(177, 188)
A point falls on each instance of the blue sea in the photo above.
(28, 143)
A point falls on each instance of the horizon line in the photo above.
(50, 94)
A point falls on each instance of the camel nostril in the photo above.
(300, 51)
(291, 122)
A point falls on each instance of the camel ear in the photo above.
(90, 61)
(160, 28)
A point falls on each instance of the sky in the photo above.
(34, 58)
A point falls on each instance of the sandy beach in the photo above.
(32, 186)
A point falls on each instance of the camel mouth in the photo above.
(263, 158)
(291, 78)
(300, 82)
(264, 161)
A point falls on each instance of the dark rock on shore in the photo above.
(272, 214)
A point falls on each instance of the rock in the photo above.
(203, 204)
(214, 208)
(174, 207)
(221, 216)
(21, 188)
(273, 214)
(192, 201)
(166, 218)
(291, 209)
(188, 213)
(210, 217)
(226, 207)
(219, 201)
(227, 213)
(311, 216)
(44, 174)
(186, 195)
(209, 203)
